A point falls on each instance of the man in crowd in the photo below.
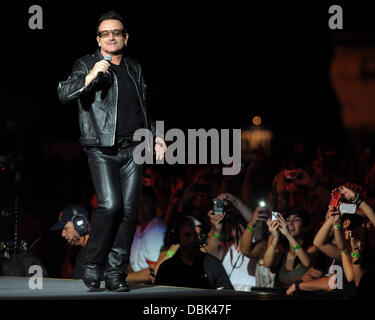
(74, 225)
(190, 267)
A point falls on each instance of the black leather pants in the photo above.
(117, 182)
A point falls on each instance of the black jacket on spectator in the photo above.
(206, 272)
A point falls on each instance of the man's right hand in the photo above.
(100, 66)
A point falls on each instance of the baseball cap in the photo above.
(66, 215)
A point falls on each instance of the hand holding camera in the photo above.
(348, 194)
(335, 216)
(273, 227)
(228, 197)
(216, 220)
(218, 207)
(260, 214)
(337, 197)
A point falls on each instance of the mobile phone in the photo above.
(347, 208)
(263, 204)
(218, 206)
(335, 199)
(274, 215)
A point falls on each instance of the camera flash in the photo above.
(262, 204)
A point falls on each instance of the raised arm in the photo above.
(80, 80)
(214, 236)
(321, 238)
(272, 255)
(248, 234)
(241, 206)
(350, 195)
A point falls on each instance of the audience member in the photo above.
(291, 254)
(73, 221)
(255, 249)
(148, 239)
(224, 242)
(330, 240)
(190, 267)
(241, 248)
(362, 245)
(169, 249)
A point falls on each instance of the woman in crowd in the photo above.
(290, 254)
(225, 241)
(362, 245)
(255, 249)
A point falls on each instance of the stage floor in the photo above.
(67, 297)
(17, 288)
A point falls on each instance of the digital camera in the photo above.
(218, 206)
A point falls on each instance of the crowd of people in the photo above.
(287, 231)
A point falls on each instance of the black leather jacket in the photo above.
(98, 101)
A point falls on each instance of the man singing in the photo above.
(112, 106)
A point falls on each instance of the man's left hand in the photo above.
(160, 148)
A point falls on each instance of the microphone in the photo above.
(75, 239)
(106, 58)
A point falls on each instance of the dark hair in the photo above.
(172, 234)
(355, 220)
(111, 15)
(232, 220)
(149, 193)
(367, 237)
(305, 217)
(308, 236)
(174, 227)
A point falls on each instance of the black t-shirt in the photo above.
(206, 272)
(323, 264)
(366, 285)
(128, 110)
(79, 264)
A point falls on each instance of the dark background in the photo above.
(207, 65)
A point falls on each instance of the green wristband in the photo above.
(250, 228)
(354, 255)
(296, 247)
(337, 226)
(217, 236)
(170, 253)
